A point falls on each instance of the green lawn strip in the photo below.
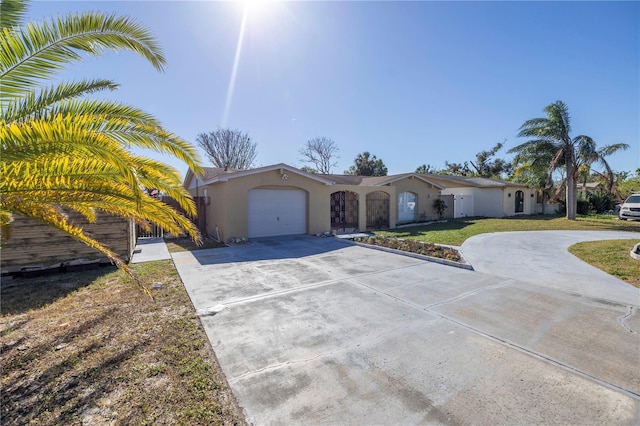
(456, 231)
(611, 256)
(91, 347)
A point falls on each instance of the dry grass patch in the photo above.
(178, 244)
(91, 347)
(611, 256)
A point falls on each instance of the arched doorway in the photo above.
(377, 210)
(344, 211)
(519, 202)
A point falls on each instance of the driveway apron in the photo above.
(319, 331)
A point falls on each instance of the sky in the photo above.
(411, 82)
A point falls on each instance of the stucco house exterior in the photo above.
(283, 200)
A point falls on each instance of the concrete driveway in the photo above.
(318, 331)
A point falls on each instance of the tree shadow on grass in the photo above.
(19, 295)
(75, 381)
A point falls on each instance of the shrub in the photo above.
(583, 207)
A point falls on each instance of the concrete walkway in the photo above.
(317, 331)
(149, 250)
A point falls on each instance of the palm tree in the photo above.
(590, 155)
(531, 167)
(552, 134)
(60, 151)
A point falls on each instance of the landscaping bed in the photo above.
(413, 246)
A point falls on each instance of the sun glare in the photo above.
(257, 8)
(256, 13)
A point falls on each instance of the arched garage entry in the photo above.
(273, 212)
(344, 211)
(377, 210)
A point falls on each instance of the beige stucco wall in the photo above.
(228, 206)
(227, 209)
(425, 192)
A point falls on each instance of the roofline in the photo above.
(279, 166)
(396, 178)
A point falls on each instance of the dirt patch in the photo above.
(91, 347)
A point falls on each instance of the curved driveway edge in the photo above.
(541, 257)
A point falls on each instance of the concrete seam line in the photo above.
(472, 292)
(544, 358)
(329, 353)
(314, 285)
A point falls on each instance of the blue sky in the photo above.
(411, 82)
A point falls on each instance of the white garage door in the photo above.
(277, 212)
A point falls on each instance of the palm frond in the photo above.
(36, 104)
(36, 51)
(12, 12)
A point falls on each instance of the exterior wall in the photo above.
(488, 202)
(426, 194)
(509, 202)
(362, 191)
(34, 243)
(228, 206)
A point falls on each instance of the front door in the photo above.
(344, 211)
(519, 202)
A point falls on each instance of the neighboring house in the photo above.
(34, 245)
(283, 200)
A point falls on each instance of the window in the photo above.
(407, 207)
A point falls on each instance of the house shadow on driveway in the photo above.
(269, 248)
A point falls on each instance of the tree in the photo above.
(60, 151)
(456, 169)
(531, 167)
(322, 153)
(426, 169)
(308, 169)
(553, 133)
(486, 167)
(366, 164)
(228, 148)
(588, 155)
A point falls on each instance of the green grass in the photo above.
(456, 231)
(612, 257)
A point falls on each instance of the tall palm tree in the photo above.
(61, 151)
(552, 133)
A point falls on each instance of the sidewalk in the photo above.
(149, 250)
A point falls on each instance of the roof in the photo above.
(216, 174)
(478, 182)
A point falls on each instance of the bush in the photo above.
(583, 207)
(601, 201)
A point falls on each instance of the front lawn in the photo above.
(611, 256)
(456, 231)
(92, 348)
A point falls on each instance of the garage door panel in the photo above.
(275, 212)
